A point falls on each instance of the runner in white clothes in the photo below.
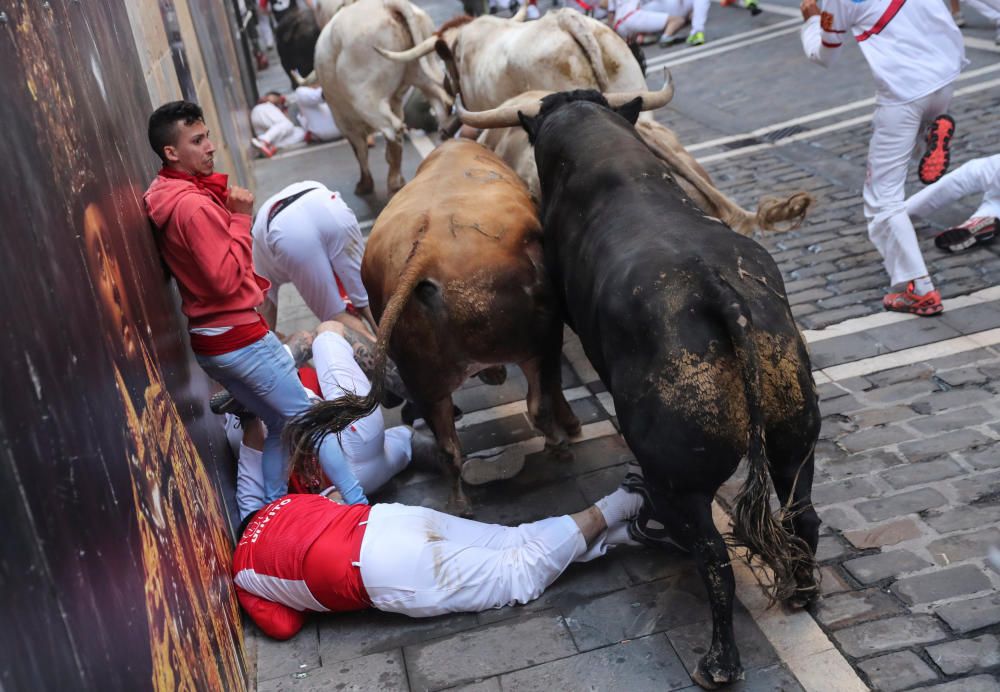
(374, 453)
(915, 52)
(306, 235)
(272, 127)
(988, 8)
(977, 177)
(629, 18)
(315, 115)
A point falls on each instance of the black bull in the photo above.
(688, 326)
(296, 35)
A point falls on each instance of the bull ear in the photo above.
(530, 125)
(442, 49)
(630, 111)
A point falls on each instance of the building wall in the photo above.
(116, 484)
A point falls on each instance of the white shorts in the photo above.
(374, 454)
(420, 562)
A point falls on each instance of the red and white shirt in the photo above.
(300, 553)
(912, 46)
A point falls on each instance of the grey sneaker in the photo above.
(482, 470)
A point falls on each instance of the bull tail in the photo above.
(573, 24)
(404, 10)
(306, 432)
(755, 527)
(792, 210)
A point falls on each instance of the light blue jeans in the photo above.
(262, 377)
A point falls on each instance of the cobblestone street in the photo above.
(907, 468)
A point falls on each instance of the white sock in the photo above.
(923, 285)
(618, 535)
(619, 506)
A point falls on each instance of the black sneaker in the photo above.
(975, 231)
(223, 402)
(644, 528)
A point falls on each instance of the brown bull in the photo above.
(455, 276)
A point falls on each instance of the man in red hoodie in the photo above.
(203, 232)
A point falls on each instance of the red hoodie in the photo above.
(208, 249)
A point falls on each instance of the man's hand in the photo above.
(240, 200)
(809, 9)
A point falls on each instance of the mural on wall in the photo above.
(116, 557)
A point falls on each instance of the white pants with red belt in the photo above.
(641, 22)
(420, 562)
(977, 177)
(897, 130)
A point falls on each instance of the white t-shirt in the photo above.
(314, 114)
(912, 47)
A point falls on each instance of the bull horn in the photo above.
(521, 14)
(418, 51)
(505, 116)
(651, 100)
(308, 80)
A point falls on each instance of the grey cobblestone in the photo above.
(964, 546)
(902, 503)
(885, 534)
(923, 472)
(942, 444)
(875, 568)
(854, 607)
(979, 683)
(966, 655)
(900, 632)
(898, 671)
(972, 614)
(937, 586)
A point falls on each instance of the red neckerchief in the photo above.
(216, 184)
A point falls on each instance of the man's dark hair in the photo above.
(273, 93)
(163, 123)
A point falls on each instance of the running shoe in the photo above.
(696, 39)
(959, 19)
(669, 39)
(753, 6)
(936, 159)
(264, 148)
(223, 402)
(975, 231)
(926, 305)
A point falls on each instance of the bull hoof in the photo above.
(802, 597)
(365, 186)
(396, 185)
(459, 508)
(560, 451)
(710, 676)
(571, 427)
(495, 375)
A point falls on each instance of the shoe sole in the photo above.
(483, 470)
(938, 144)
(981, 236)
(920, 312)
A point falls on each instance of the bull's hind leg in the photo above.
(688, 520)
(440, 417)
(394, 157)
(359, 143)
(792, 457)
(541, 410)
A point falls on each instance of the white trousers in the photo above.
(896, 132)
(374, 454)
(697, 9)
(279, 134)
(312, 239)
(642, 22)
(598, 12)
(264, 31)
(977, 177)
(421, 562)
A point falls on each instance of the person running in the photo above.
(305, 234)
(914, 77)
(977, 177)
(988, 8)
(202, 229)
(307, 553)
(682, 12)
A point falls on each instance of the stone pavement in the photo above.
(908, 464)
